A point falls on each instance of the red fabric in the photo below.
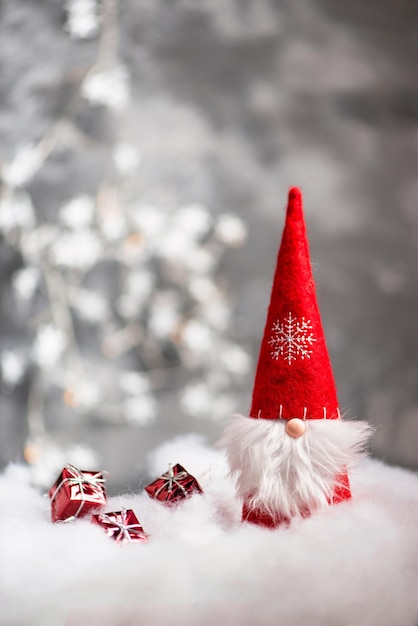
(342, 489)
(294, 380)
(261, 518)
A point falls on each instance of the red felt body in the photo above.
(305, 386)
(262, 518)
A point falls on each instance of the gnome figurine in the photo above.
(292, 454)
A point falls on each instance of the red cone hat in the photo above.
(294, 375)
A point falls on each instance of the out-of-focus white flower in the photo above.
(134, 250)
(84, 394)
(78, 213)
(150, 220)
(196, 400)
(217, 313)
(203, 261)
(197, 337)
(23, 167)
(163, 315)
(16, 211)
(82, 19)
(175, 246)
(35, 242)
(231, 230)
(140, 410)
(25, 282)
(87, 394)
(112, 223)
(235, 359)
(202, 289)
(128, 307)
(133, 383)
(195, 221)
(139, 284)
(92, 306)
(162, 321)
(48, 346)
(79, 249)
(121, 340)
(223, 407)
(126, 158)
(12, 367)
(109, 88)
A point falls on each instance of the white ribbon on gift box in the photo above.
(171, 480)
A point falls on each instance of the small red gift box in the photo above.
(122, 526)
(76, 493)
(174, 485)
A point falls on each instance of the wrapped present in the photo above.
(76, 493)
(174, 485)
(122, 526)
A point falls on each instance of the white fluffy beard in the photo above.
(284, 476)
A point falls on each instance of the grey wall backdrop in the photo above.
(224, 104)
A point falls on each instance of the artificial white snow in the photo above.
(193, 451)
(352, 564)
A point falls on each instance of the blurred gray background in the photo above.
(145, 108)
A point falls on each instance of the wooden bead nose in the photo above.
(295, 427)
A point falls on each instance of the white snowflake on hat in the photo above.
(293, 453)
(292, 339)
